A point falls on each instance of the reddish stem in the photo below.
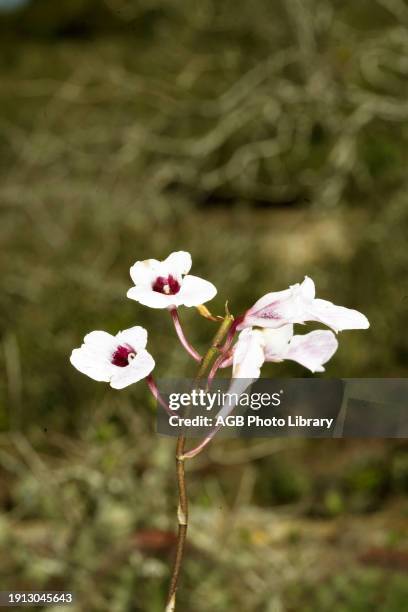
(235, 387)
(151, 383)
(215, 366)
(197, 449)
(180, 333)
(224, 350)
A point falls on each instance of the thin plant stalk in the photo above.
(182, 510)
(181, 336)
(224, 351)
(235, 388)
(215, 367)
(151, 383)
(197, 449)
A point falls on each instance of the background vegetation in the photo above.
(269, 139)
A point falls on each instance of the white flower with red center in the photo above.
(255, 346)
(298, 305)
(120, 360)
(167, 284)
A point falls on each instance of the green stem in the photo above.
(215, 345)
(182, 511)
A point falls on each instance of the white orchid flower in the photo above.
(298, 305)
(120, 360)
(167, 284)
(255, 346)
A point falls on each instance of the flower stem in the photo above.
(182, 512)
(223, 354)
(217, 363)
(182, 516)
(180, 333)
(197, 449)
(215, 367)
(215, 345)
(235, 389)
(151, 383)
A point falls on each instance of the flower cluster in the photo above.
(266, 330)
(268, 335)
(123, 359)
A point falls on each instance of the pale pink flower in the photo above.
(120, 360)
(255, 346)
(298, 305)
(167, 284)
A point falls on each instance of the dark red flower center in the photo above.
(123, 355)
(168, 286)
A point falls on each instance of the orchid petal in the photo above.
(312, 350)
(276, 342)
(337, 317)
(100, 342)
(144, 272)
(194, 291)
(307, 288)
(150, 298)
(93, 357)
(299, 305)
(248, 354)
(178, 263)
(281, 307)
(136, 337)
(85, 363)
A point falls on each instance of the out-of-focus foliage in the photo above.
(285, 102)
(96, 514)
(270, 140)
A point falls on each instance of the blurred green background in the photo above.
(269, 139)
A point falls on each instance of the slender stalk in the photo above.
(182, 516)
(232, 331)
(215, 367)
(151, 383)
(215, 345)
(182, 511)
(235, 389)
(197, 449)
(224, 351)
(180, 333)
